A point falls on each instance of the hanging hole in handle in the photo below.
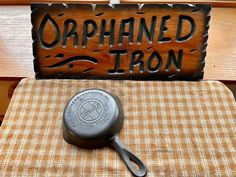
(135, 164)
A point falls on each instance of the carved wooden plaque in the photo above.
(125, 41)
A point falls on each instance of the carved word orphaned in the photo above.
(126, 30)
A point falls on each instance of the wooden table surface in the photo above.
(16, 59)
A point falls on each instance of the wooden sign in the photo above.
(125, 41)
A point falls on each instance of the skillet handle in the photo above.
(129, 158)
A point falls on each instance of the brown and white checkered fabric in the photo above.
(177, 129)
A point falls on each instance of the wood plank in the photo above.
(16, 59)
(221, 53)
(215, 3)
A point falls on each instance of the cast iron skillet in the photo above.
(92, 119)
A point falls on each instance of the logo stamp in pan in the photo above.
(90, 111)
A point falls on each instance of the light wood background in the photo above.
(16, 59)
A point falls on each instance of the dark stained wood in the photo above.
(1, 119)
(120, 42)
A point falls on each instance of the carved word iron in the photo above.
(126, 41)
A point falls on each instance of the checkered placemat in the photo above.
(176, 128)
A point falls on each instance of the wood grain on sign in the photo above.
(126, 41)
